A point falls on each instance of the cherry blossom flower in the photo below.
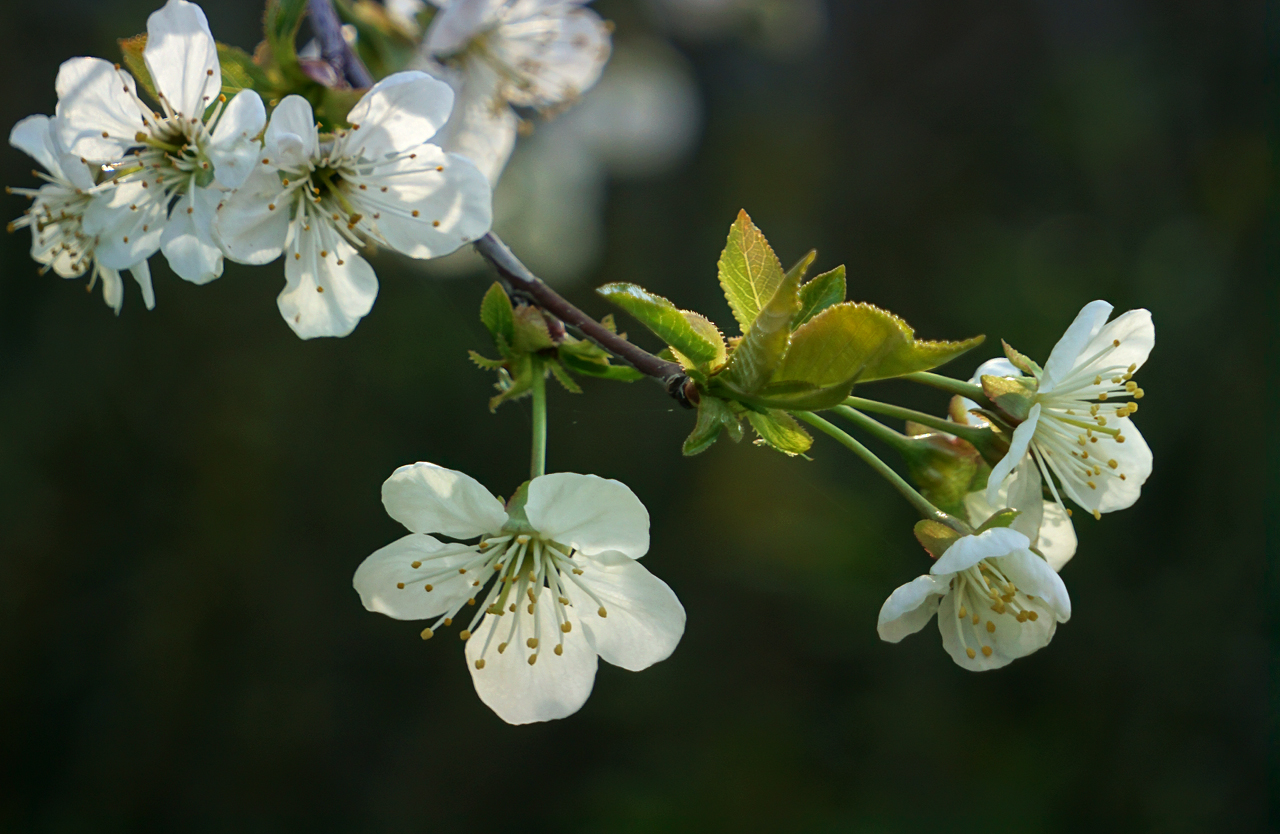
(379, 181)
(497, 53)
(1076, 424)
(56, 216)
(170, 167)
(552, 583)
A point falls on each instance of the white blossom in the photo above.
(552, 583)
(56, 216)
(1078, 426)
(380, 181)
(170, 167)
(498, 53)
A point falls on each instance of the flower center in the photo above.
(513, 569)
(983, 587)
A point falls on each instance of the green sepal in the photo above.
(131, 50)
(562, 377)
(517, 517)
(485, 363)
(817, 295)
(945, 469)
(1013, 396)
(1021, 361)
(530, 330)
(586, 367)
(666, 320)
(497, 314)
(333, 105)
(1003, 518)
(801, 267)
(239, 72)
(935, 537)
(760, 353)
(514, 381)
(779, 430)
(713, 415)
(750, 272)
(280, 25)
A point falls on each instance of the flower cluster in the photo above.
(997, 592)
(200, 177)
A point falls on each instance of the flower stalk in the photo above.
(951, 386)
(974, 435)
(538, 457)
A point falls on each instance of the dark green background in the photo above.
(185, 493)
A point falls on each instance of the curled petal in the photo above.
(388, 582)
(1067, 352)
(1136, 335)
(520, 692)
(142, 274)
(644, 620)
(910, 606)
(431, 499)
(1057, 539)
(589, 513)
(1034, 577)
(291, 139)
(969, 550)
(1018, 446)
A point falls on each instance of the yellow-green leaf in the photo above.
(713, 415)
(705, 328)
(131, 50)
(750, 272)
(668, 322)
(239, 72)
(779, 430)
(823, 291)
(496, 313)
(531, 333)
(761, 351)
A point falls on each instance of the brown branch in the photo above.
(524, 284)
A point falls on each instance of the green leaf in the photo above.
(530, 330)
(131, 49)
(713, 415)
(496, 313)
(750, 272)
(1004, 518)
(562, 376)
(935, 536)
(779, 430)
(1021, 362)
(280, 24)
(705, 328)
(801, 267)
(761, 351)
(802, 396)
(817, 295)
(666, 320)
(586, 367)
(485, 363)
(239, 72)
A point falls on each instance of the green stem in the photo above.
(951, 386)
(970, 433)
(538, 458)
(908, 492)
(891, 437)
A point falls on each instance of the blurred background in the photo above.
(185, 493)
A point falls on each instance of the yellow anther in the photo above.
(986, 651)
(1097, 516)
(471, 600)
(512, 608)
(480, 663)
(448, 621)
(532, 598)
(502, 647)
(1133, 367)
(533, 577)
(529, 608)
(566, 627)
(1093, 439)
(533, 658)
(428, 587)
(1119, 438)
(427, 634)
(972, 654)
(991, 627)
(564, 600)
(462, 570)
(577, 572)
(1113, 463)
(976, 619)
(559, 649)
(1122, 477)
(963, 612)
(1097, 380)
(1022, 616)
(1115, 343)
(1091, 484)
(1032, 616)
(415, 565)
(522, 539)
(400, 585)
(464, 634)
(1084, 455)
(532, 642)
(602, 612)
(1130, 386)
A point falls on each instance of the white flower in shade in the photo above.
(497, 53)
(1046, 524)
(56, 216)
(1076, 411)
(552, 582)
(996, 600)
(381, 181)
(170, 167)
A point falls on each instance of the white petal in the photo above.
(483, 126)
(128, 220)
(291, 139)
(398, 113)
(995, 367)
(1057, 541)
(253, 222)
(453, 27)
(590, 513)
(31, 136)
(420, 211)
(1067, 352)
(1018, 444)
(234, 151)
(182, 57)
(431, 499)
(142, 274)
(969, 550)
(379, 577)
(1133, 458)
(1034, 577)
(909, 607)
(558, 59)
(1026, 495)
(188, 243)
(112, 287)
(1136, 334)
(1010, 640)
(95, 98)
(644, 620)
(325, 295)
(554, 687)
